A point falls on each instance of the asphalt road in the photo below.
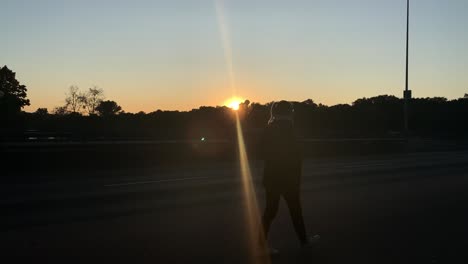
(409, 208)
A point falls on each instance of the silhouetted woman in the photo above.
(282, 172)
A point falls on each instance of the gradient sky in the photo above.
(150, 55)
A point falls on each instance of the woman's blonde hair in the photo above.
(282, 110)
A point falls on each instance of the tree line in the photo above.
(87, 115)
(90, 102)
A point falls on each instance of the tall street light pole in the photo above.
(407, 92)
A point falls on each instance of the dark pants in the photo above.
(292, 198)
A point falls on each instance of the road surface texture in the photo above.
(406, 208)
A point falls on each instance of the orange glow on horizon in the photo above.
(233, 103)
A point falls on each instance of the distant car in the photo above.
(36, 135)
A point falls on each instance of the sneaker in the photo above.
(312, 240)
(272, 251)
(267, 251)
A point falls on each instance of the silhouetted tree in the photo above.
(60, 110)
(310, 102)
(108, 108)
(92, 99)
(244, 108)
(13, 97)
(42, 112)
(74, 100)
(78, 102)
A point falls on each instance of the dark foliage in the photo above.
(380, 116)
(108, 108)
(13, 94)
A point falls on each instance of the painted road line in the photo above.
(155, 181)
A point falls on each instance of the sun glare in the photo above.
(234, 103)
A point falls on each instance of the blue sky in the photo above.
(150, 55)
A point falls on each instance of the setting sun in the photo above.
(233, 103)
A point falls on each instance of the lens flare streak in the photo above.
(226, 41)
(252, 215)
(255, 229)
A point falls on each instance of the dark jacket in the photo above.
(283, 157)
